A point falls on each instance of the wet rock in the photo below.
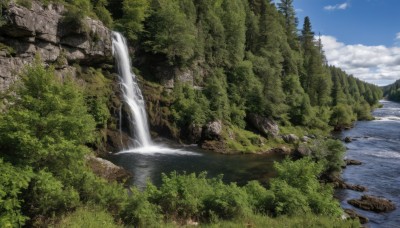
(348, 139)
(352, 162)
(354, 215)
(265, 126)
(107, 169)
(117, 141)
(339, 183)
(290, 138)
(216, 146)
(212, 130)
(373, 203)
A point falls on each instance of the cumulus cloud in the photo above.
(375, 64)
(342, 6)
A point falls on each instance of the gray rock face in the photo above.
(264, 125)
(212, 130)
(41, 30)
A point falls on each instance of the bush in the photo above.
(297, 189)
(13, 181)
(90, 217)
(48, 195)
(139, 212)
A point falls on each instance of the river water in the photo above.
(235, 168)
(377, 145)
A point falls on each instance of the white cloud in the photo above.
(374, 64)
(398, 36)
(342, 6)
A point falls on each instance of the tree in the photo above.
(134, 12)
(47, 123)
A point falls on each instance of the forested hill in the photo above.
(249, 58)
(228, 61)
(392, 91)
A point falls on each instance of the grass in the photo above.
(308, 221)
(243, 141)
(88, 217)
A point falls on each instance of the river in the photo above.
(377, 145)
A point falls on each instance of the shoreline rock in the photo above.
(354, 215)
(107, 170)
(373, 203)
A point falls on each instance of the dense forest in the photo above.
(392, 91)
(245, 57)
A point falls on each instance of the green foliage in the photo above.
(48, 195)
(139, 212)
(305, 220)
(190, 106)
(298, 191)
(47, 123)
(3, 47)
(90, 217)
(25, 3)
(134, 13)
(216, 93)
(97, 92)
(342, 116)
(13, 181)
(392, 91)
(171, 32)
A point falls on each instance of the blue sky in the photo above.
(360, 36)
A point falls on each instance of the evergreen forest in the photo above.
(243, 58)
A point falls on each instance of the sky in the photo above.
(360, 36)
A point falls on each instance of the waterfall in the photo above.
(133, 98)
(132, 94)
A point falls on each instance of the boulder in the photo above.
(373, 203)
(212, 130)
(354, 215)
(302, 151)
(348, 139)
(352, 162)
(290, 138)
(107, 169)
(264, 125)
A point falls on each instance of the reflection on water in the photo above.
(377, 144)
(235, 168)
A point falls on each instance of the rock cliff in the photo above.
(44, 30)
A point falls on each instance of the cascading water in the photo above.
(132, 94)
(133, 98)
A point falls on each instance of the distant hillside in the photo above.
(392, 91)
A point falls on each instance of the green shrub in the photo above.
(297, 189)
(48, 195)
(13, 181)
(88, 217)
(139, 212)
